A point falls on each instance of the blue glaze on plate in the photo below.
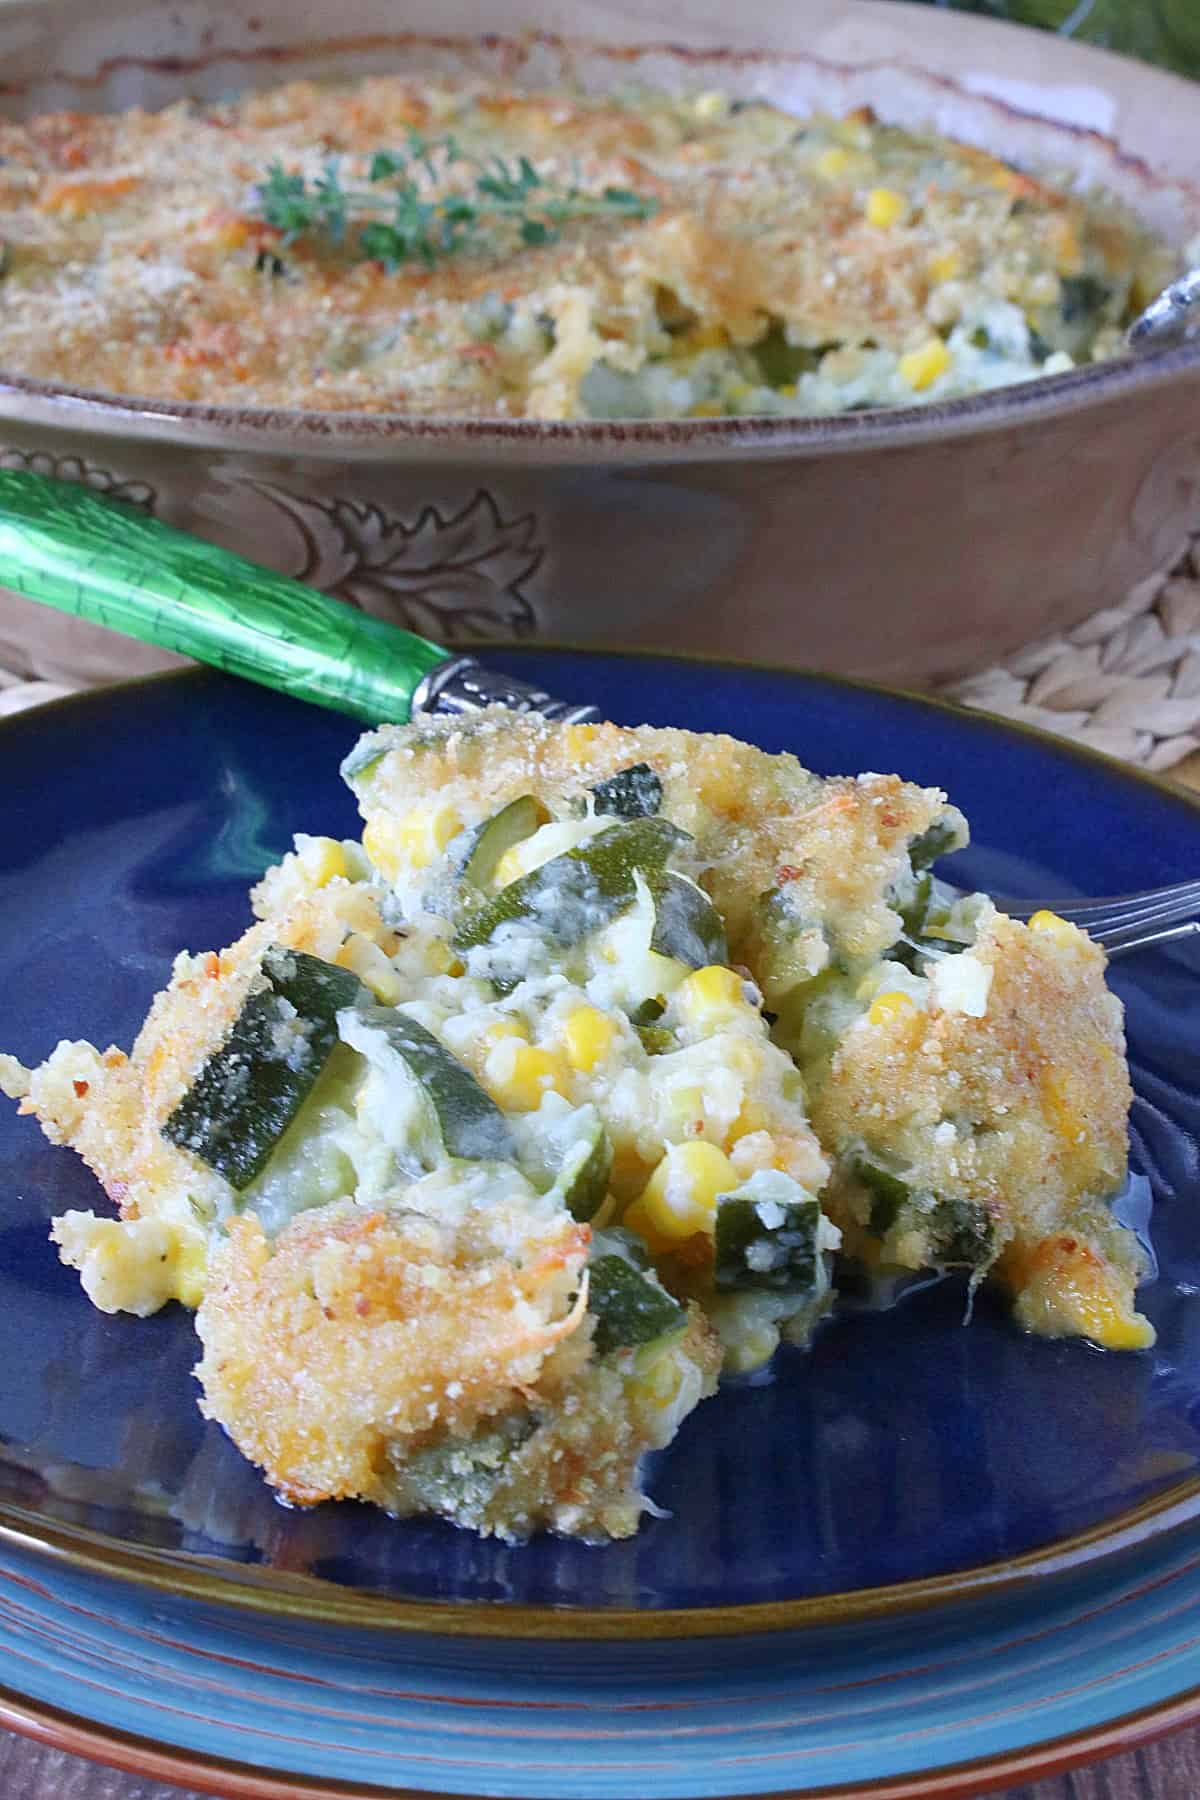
(131, 825)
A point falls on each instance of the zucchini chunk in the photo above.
(465, 1121)
(511, 825)
(570, 1158)
(634, 793)
(249, 1091)
(583, 1179)
(959, 1232)
(767, 1242)
(629, 1307)
(574, 894)
(939, 840)
(687, 925)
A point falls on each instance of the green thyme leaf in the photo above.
(400, 216)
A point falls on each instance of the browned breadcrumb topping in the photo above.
(778, 257)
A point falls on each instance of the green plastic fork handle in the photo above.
(109, 562)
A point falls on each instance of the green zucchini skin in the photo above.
(960, 1233)
(633, 793)
(469, 1122)
(251, 1088)
(939, 840)
(781, 1257)
(582, 1182)
(687, 925)
(511, 825)
(573, 894)
(628, 1308)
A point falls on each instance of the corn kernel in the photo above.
(322, 859)
(411, 842)
(889, 1006)
(713, 105)
(709, 993)
(921, 368)
(367, 961)
(750, 1347)
(946, 267)
(1061, 930)
(833, 162)
(500, 1029)
(578, 740)
(885, 207)
(680, 1198)
(517, 1075)
(588, 1034)
(191, 1269)
(660, 1383)
(708, 409)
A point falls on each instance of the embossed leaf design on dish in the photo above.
(74, 468)
(447, 575)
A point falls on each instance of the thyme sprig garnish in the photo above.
(399, 217)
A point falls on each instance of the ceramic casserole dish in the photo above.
(911, 544)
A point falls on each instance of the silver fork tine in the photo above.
(1155, 906)
(1121, 943)
(1150, 904)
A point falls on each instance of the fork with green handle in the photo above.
(108, 562)
(105, 561)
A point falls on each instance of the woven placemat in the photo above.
(1125, 682)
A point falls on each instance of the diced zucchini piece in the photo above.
(794, 949)
(911, 900)
(687, 925)
(767, 1237)
(780, 362)
(1082, 298)
(511, 825)
(574, 894)
(964, 1236)
(249, 1091)
(629, 1307)
(958, 1231)
(570, 1158)
(582, 1181)
(889, 1194)
(467, 1122)
(458, 1477)
(634, 793)
(940, 838)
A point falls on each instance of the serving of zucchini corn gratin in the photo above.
(591, 1071)
(418, 246)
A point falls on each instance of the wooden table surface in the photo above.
(1167, 1770)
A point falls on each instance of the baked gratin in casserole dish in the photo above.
(422, 246)
(597, 1067)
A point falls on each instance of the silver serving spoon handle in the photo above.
(1172, 319)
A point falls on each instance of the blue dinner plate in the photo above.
(909, 1468)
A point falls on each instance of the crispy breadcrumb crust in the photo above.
(137, 259)
(758, 819)
(357, 1341)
